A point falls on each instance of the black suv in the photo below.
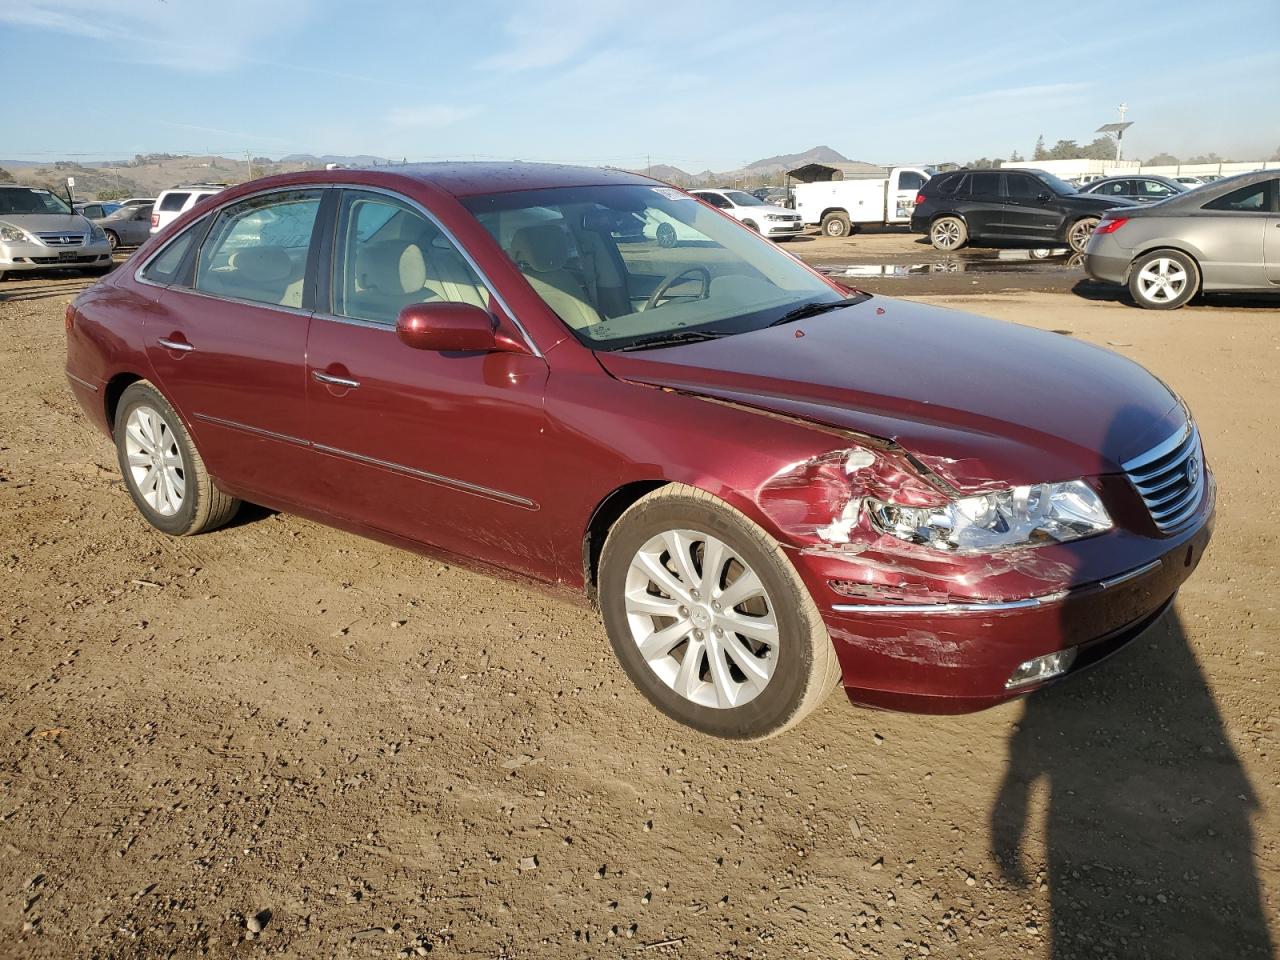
(1024, 205)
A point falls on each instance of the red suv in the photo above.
(767, 483)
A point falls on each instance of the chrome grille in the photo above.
(1170, 478)
(61, 239)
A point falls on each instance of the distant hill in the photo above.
(359, 160)
(764, 172)
(789, 161)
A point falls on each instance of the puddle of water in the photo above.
(996, 261)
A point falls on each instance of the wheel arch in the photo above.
(114, 390)
(949, 213)
(1156, 246)
(603, 517)
(830, 210)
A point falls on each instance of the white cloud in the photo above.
(427, 116)
(190, 37)
(549, 33)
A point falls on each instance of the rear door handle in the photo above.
(336, 381)
(180, 345)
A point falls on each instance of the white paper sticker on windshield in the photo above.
(671, 193)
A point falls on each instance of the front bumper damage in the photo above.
(919, 630)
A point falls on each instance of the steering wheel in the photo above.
(671, 279)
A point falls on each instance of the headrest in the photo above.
(392, 267)
(541, 247)
(262, 264)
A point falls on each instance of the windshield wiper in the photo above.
(813, 309)
(670, 338)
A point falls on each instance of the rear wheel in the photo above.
(162, 468)
(1163, 280)
(836, 224)
(1080, 232)
(666, 235)
(113, 240)
(710, 619)
(948, 233)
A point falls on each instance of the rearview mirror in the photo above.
(447, 327)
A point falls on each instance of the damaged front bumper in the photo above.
(925, 650)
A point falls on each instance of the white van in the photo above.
(178, 200)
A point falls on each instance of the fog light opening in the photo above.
(1042, 668)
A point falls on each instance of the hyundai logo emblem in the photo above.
(1193, 471)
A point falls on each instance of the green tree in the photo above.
(113, 193)
(5, 176)
(1039, 153)
(1163, 160)
(1015, 157)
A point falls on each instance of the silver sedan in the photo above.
(1222, 237)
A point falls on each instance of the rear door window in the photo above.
(173, 202)
(257, 248)
(985, 184)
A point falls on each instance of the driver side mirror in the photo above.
(447, 328)
(1045, 197)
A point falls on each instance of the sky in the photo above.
(698, 84)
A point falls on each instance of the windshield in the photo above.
(743, 199)
(30, 200)
(621, 264)
(1056, 184)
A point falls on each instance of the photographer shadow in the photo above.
(1148, 841)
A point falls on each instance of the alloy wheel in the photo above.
(946, 235)
(1080, 233)
(155, 461)
(1162, 280)
(701, 618)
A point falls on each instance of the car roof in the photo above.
(461, 179)
(1217, 188)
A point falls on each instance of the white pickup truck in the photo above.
(844, 196)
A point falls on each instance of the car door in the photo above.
(983, 205)
(444, 449)
(227, 341)
(1028, 214)
(1234, 232)
(1153, 191)
(138, 227)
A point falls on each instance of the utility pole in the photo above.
(249, 161)
(1117, 130)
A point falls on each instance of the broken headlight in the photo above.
(1020, 516)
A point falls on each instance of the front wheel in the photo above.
(666, 235)
(751, 224)
(113, 240)
(710, 619)
(162, 469)
(1080, 232)
(1163, 280)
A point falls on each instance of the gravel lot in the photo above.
(279, 738)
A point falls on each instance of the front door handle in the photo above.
(180, 345)
(336, 381)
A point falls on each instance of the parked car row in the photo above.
(733, 456)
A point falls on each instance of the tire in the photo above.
(1079, 233)
(948, 233)
(751, 224)
(836, 224)
(793, 673)
(666, 235)
(181, 507)
(1163, 279)
(113, 239)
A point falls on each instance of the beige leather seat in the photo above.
(542, 251)
(450, 278)
(265, 274)
(390, 275)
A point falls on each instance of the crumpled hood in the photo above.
(981, 402)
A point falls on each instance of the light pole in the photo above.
(1116, 130)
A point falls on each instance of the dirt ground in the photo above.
(282, 739)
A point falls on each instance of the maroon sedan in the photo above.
(767, 483)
